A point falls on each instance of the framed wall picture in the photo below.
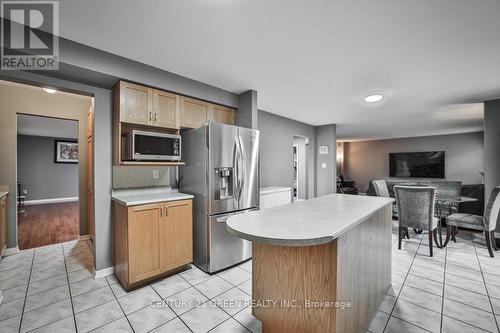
(66, 151)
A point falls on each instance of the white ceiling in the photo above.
(314, 61)
(45, 126)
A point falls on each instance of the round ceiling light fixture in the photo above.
(373, 98)
(49, 90)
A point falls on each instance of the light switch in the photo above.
(156, 174)
(323, 165)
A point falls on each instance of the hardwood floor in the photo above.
(47, 224)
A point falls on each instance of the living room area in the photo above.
(461, 164)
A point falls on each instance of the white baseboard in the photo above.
(49, 201)
(11, 250)
(84, 237)
(102, 272)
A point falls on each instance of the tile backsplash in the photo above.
(141, 176)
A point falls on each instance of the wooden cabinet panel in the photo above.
(90, 123)
(193, 112)
(221, 114)
(90, 189)
(166, 109)
(144, 242)
(3, 223)
(151, 240)
(178, 245)
(135, 104)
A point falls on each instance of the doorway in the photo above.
(47, 180)
(300, 168)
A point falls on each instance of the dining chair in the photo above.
(416, 210)
(380, 189)
(486, 223)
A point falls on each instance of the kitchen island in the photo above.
(321, 265)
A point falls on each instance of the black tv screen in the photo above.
(419, 165)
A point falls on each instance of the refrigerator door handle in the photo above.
(235, 170)
(240, 168)
(243, 164)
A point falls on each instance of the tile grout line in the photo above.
(69, 288)
(485, 285)
(210, 299)
(121, 308)
(192, 286)
(444, 284)
(402, 284)
(27, 288)
(175, 313)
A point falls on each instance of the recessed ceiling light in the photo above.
(50, 91)
(373, 98)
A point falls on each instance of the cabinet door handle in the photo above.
(156, 117)
(166, 210)
(161, 211)
(150, 116)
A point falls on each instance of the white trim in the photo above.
(84, 237)
(11, 250)
(102, 272)
(47, 201)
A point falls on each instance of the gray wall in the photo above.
(326, 178)
(492, 147)
(39, 175)
(276, 156)
(368, 160)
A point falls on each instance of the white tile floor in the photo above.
(51, 289)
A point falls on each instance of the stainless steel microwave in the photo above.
(151, 146)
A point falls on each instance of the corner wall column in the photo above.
(326, 164)
(246, 116)
(492, 150)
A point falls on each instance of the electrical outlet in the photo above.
(323, 165)
(156, 174)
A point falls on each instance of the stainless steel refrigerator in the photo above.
(222, 172)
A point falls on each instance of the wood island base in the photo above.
(332, 287)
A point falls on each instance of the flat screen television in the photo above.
(419, 165)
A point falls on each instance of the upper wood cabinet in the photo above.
(221, 114)
(142, 105)
(193, 112)
(166, 109)
(135, 103)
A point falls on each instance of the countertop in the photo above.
(3, 194)
(310, 222)
(274, 189)
(143, 196)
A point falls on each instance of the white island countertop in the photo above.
(143, 196)
(305, 223)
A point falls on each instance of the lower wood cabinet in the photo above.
(151, 240)
(3, 223)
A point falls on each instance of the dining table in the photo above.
(445, 205)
